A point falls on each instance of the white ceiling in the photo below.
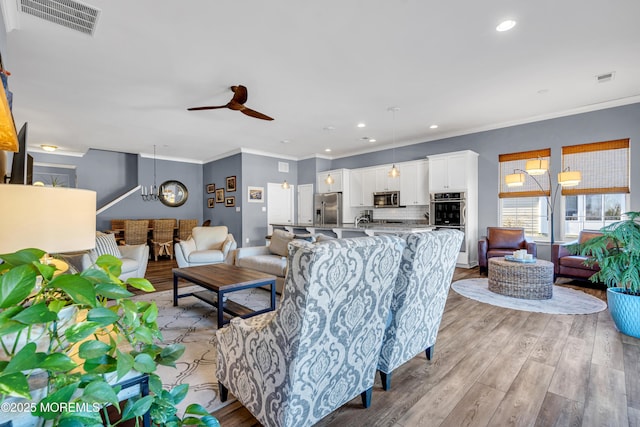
(313, 65)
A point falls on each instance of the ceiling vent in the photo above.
(68, 13)
(607, 77)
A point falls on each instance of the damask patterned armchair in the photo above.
(421, 290)
(320, 349)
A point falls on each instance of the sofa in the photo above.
(319, 349)
(272, 258)
(572, 266)
(207, 245)
(501, 241)
(134, 257)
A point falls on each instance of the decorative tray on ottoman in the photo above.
(514, 259)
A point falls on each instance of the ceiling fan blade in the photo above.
(239, 94)
(206, 108)
(257, 115)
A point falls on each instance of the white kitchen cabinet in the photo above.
(362, 184)
(340, 181)
(452, 171)
(384, 182)
(414, 183)
(458, 172)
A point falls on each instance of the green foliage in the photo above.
(617, 252)
(84, 360)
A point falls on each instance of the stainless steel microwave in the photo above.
(386, 199)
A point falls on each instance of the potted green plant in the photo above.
(617, 253)
(83, 361)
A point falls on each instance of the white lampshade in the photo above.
(514, 180)
(569, 178)
(53, 219)
(537, 167)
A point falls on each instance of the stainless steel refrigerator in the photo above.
(327, 208)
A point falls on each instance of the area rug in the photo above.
(564, 300)
(194, 323)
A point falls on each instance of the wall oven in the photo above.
(448, 209)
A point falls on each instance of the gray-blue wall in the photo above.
(112, 174)
(216, 172)
(602, 125)
(257, 171)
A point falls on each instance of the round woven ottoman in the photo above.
(531, 280)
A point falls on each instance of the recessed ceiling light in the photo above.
(328, 150)
(506, 25)
(284, 141)
(361, 125)
(48, 147)
(433, 127)
(329, 128)
(372, 140)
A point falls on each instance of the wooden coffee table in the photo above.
(219, 280)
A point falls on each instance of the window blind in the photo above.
(516, 163)
(604, 167)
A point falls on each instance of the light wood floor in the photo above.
(495, 367)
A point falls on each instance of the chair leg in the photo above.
(386, 380)
(224, 392)
(366, 397)
(429, 352)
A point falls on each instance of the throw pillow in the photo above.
(279, 241)
(106, 244)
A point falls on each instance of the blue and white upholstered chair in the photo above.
(320, 348)
(421, 290)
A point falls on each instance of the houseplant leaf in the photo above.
(77, 288)
(14, 384)
(102, 316)
(112, 291)
(23, 257)
(16, 285)
(37, 313)
(142, 284)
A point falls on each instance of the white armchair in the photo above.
(420, 294)
(320, 349)
(207, 245)
(134, 260)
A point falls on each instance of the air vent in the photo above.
(68, 13)
(607, 77)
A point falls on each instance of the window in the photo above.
(592, 212)
(602, 195)
(529, 213)
(525, 205)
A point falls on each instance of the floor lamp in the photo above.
(533, 168)
(53, 219)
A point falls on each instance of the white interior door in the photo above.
(305, 204)
(279, 204)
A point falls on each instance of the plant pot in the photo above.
(625, 311)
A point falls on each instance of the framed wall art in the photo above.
(211, 202)
(230, 201)
(220, 195)
(211, 188)
(255, 194)
(231, 184)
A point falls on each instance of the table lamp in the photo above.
(53, 219)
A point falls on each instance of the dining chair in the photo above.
(162, 237)
(136, 231)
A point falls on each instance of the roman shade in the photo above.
(515, 163)
(604, 167)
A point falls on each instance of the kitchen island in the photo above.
(352, 230)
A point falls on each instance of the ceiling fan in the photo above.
(236, 103)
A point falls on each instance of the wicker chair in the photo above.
(162, 239)
(184, 228)
(136, 231)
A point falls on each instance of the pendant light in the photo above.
(394, 172)
(151, 194)
(285, 185)
(329, 179)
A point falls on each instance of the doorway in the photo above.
(280, 204)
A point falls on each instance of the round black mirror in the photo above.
(173, 193)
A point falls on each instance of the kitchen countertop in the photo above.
(365, 227)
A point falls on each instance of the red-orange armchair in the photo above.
(501, 241)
